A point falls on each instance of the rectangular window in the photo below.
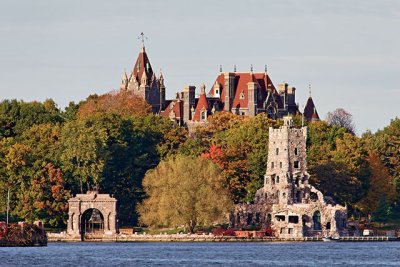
(296, 164)
(290, 231)
(280, 165)
(272, 165)
(296, 151)
(277, 151)
(294, 219)
(280, 218)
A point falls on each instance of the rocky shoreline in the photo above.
(52, 237)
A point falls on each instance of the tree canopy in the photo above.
(185, 191)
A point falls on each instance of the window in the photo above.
(280, 218)
(290, 231)
(203, 115)
(296, 164)
(317, 221)
(242, 95)
(277, 179)
(217, 91)
(277, 151)
(294, 219)
(280, 165)
(296, 152)
(272, 165)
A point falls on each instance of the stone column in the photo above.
(112, 222)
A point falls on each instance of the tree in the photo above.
(341, 118)
(121, 103)
(382, 190)
(337, 162)
(241, 151)
(184, 191)
(44, 198)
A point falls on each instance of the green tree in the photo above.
(184, 191)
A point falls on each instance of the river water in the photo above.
(205, 254)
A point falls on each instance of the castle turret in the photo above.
(124, 82)
(162, 91)
(286, 162)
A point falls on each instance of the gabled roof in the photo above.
(202, 105)
(310, 112)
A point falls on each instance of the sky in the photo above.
(349, 51)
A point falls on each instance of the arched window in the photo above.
(317, 221)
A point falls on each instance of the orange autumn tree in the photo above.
(120, 103)
(382, 187)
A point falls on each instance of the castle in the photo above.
(242, 93)
(287, 202)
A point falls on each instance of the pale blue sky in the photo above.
(347, 50)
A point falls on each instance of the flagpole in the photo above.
(8, 203)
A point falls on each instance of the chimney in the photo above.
(229, 90)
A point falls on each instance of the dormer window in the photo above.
(203, 115)
(217, 91)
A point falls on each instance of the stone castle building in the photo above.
(242, 93)
(287, 202)
(143, 82)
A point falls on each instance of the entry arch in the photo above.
(105, 215)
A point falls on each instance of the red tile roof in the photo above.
(241, 79)
(202, 104)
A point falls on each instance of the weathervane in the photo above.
(143, 37)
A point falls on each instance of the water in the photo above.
(205, 254)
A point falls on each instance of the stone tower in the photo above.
(143, 82)
(287, 203)
(287, 166)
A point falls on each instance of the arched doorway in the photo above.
(317, 221)
(91, 213)
(92, 222)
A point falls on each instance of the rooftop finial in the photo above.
(234, 68)
(251, 67)
(143, 37)
(220, 68)
(266, 68)
(309, 89)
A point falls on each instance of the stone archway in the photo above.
(81, 203)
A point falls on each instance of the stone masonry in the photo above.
(287, 202)
(81, 203)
